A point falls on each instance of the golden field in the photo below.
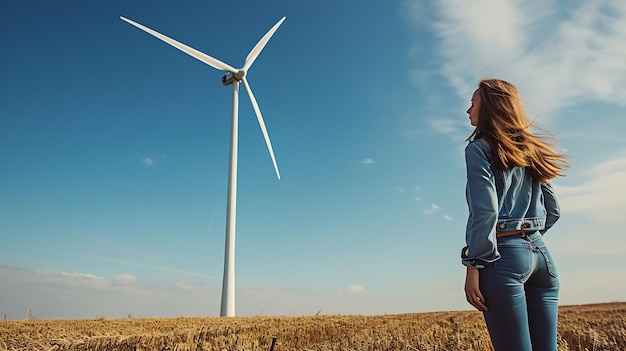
(584, 327)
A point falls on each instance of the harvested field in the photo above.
(586, 327)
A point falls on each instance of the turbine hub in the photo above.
(240, 74)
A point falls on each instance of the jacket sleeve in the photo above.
(551, 203)
(482, 201)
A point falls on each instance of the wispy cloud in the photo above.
(448, 125)
(72, 278)
(419, 190)
(367, 161)
(67, 279)
(119, 261)
(355, 289)
(571, 238)
(54, 294)
(125, 279)
(432, 209)
(187, 286)
(602, 195)
(447, 217)
(557, 56)
(150, 161)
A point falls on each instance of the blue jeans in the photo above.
(521, 290)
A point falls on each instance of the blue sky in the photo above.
(114, 152)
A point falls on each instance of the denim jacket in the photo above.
(501, 201)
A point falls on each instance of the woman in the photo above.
(510, 275)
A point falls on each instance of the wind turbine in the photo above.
(234, 76)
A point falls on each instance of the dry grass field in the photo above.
(586, 327)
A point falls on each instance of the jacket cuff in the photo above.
(471, 262)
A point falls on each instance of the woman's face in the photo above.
(474, 109)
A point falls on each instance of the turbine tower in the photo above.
(233, 77)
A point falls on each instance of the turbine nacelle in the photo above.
(230, 77)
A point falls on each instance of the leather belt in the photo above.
(519, 233)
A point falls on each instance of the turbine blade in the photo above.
(257, 111)
(260, 45)
(213, 62)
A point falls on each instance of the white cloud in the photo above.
(432, 209)
(557, 56)
(367, 161)
(446, 125)
(118, 261)
(602, 196)
(150, 161)
(447, 217)
(187, 286)
(355, 289)
(82, 295)
(124, 279)
(74, 279)
(570, 239)
(399, 189)
(419, 190)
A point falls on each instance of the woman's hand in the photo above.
(472, 289)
